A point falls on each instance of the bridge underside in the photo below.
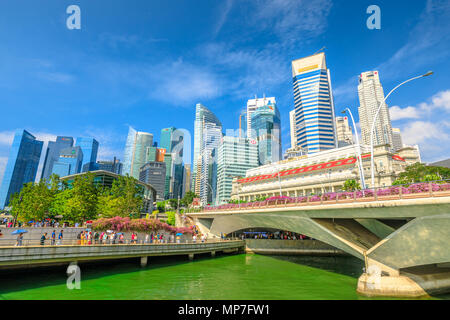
(404, 256)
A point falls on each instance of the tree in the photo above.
(173, 203)
(82, 203)
(351, 185)
(188, 198)
(419, 172)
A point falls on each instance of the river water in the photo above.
(224, 277)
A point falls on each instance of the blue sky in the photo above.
(147, 63)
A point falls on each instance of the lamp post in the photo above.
(429, 73)
(358, 150)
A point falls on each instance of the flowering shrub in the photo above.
(143, 225)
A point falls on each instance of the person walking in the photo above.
(19, 240)
(96, 236)
(43, 238)
(121, 238)
(53, 238)
(194, 238)
(60, 237)
(105, 237)
(147, 238)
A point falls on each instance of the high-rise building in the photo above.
(52, 154)
(266, 129)
(70, 162)
(314, 106)
(186, 179)
(169, 185)
(136, 151)
(202, 116)
(206, 186)
(166, 141)
(155, 154)
(89, 146)
(154, 173)
(235, 157)
(22, 165)
(397, 141)
(344, 133)
(114, 166)
(292, 129)
(172, 140)
(371, 94)
(252, 105)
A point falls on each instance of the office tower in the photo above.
(266, 129)
(114, 166)
(186, 179)
(172, 141)
(202, 116)
(155, 154)
(344, 133)
(154, 173)
(371, 94)
(206, 186)
(314, 107)
(89, 147)
(70, 162)
(235, 157)
(168, 190)
(22, 165)
(166, 138)
(52, 154)
(292, 128)
(397, 139)
(254, 104)
(136, 151)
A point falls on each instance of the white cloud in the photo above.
(58, 77)
(3, 162)
(223, 17)
(398, 113)
(6, 138)
(442, 100)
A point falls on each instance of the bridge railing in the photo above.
(439, 188)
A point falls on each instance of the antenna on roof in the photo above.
(321, 49)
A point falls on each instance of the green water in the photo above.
(224, 277)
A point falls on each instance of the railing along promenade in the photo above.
(432, 189)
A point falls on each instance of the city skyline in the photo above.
(412, 108)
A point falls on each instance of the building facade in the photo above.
(70, 162)
(154, 174)
(89, 146)
(114, 166)
(254, 104)
(266, 129)
(136, 151)
(371, 95)
(22, 165)
(292, 128)
(397, 142)
(344, 133)
(322, 172)
(314, 106)
(52, 154)
(235, 157)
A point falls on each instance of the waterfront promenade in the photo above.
(36, 255)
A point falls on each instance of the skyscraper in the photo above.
(186, 179)
(136, 151)
(343, 132)
(154, 173)
(202, 116)
(235, 157)
(89, 147)
(22, 165)
(166, 138)
(292, 129)
(314, 106)
(252, 105)
(70, 162)
(371, 94)
(114, 166)
(266, 129)
(52, 154)
(172, 140)
(397, 141)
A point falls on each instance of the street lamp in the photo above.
(358, 149)
(429, 73)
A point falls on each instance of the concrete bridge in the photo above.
(31, 256)
(403, 239)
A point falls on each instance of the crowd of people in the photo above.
(281, 235)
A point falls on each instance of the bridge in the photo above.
(401, 233)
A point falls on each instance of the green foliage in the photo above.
(161, 206)
(188, 198)
(174, 203)
(419, 172)
(171, 217)
(351, 185)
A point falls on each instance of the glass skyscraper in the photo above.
(22, 165)
(52, 154)
(314, 108)
(172, 140)
(266, 129)
(202, 116)
(136, 151)
(89, 146)
(70, 162)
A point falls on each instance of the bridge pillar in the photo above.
(213, 254)
(191, 256)
(144, 261)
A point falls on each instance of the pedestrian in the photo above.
(114, 238)
(121, 238)
(19, 240)
(53, 238)
(147, 238)
(96, 236)
(79, 238)
(43, 238)
(194, 238)
(105, 237)
(60, 237)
